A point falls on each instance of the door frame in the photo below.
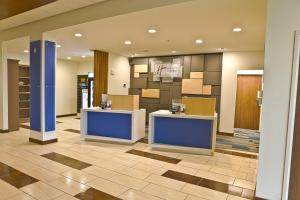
(254, 72)
(291, 116)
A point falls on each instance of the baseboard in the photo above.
(42, 142)
(4, 131)
(66, 115)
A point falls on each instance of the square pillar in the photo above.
(42, 92)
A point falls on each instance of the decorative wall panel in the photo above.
(150, 93)
(209, 65)
(192, 86)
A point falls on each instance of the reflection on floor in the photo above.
(73, 169)
(241, 140)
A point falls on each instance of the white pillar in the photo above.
(3, 88)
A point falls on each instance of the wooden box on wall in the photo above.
(199, 106)
(124, 102)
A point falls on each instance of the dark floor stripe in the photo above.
(225, 134)
(93, 194)
(25, 126)
(77, 118)
(154, 156)
(72, 130)
(58, 122)
(234, 153)
(65, 160)
(214, 185)
(15, 177)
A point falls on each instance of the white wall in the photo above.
(84, 67)
(22, 57)
(282, 20)
(118, 74)
(232, 62)
(66, 87)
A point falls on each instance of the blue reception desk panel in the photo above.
(35, 83)
(113, 125)
(183, 132)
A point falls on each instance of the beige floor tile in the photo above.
(41, 190)
(231, 197)
(128, 181)
(204, 192)
(244, 184)
(111, 165)
(182, 169)
(191, 197)
(108, 187)
(21, 196)
(164, 192)
(229, 172)
(135, 173)
(216, 177)
(68, 186)
(99, 172)
(66, 197)
(10, 191)
(79, 176)
(137, 195)
(150, 168)
(167, 182)
(44, 175)
(195, 165)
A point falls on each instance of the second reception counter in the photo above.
(181, 132)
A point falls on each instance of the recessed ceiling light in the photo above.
(128, 42)
(199, 41)
(69, 58)
(83, 56)
(152, 30)
(26, 51)
(174, 51)
(237, 29)
(78, 35)
(58, 46)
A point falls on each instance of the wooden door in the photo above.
(13, 94)
(294, 184)
(247, 112)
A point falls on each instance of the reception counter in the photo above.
(182, 133)
(113, 125)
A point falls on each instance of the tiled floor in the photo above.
(73, 169)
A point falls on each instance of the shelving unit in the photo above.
(24, 93)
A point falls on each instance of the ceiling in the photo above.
(178, 26)
(33, 10)
(10, 8)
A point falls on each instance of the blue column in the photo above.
(42, 91)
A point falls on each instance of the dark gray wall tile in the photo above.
(165, 97)
(134, 91)
(175, 92)
(197, 63)
(212, 78)
(186, 66)
(149, 100)
(165, 86)
(139, 61)
(213, 62)
(216, 90)
(138, 82)
(153, 85)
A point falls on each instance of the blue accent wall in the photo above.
(35, 85)
(49, 86)
(183, 132)
(114, 125)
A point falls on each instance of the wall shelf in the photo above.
(24, 92)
